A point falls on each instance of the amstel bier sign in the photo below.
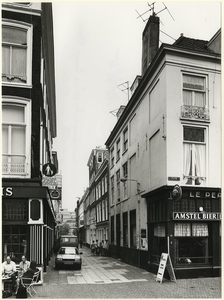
(197, 216)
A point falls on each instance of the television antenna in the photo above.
(152, 8)
(124, 87)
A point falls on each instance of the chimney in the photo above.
(150, 42)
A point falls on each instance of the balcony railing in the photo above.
(13, 169)
(195, 112)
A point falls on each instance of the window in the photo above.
(99, 188)
(103, 186)
(100, 215)
(105, 183)
(118, 145)
(118, 184)
(112, 157)
(106, 209)
(125, 175)
(125, 229)
(112, 229)
(103, 210)
(99, 157)
(125, 139)
(15, 240)
(194, 91)
(15, 138)
(191, 243)
(194, 155)
(133, 228)
(15, 210)
(16, 53)
(112, 190)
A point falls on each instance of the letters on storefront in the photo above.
(204, 216)
(7, 191)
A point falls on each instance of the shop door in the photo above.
(118, 235)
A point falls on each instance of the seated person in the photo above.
(9, 269)
(24, 265)
(28, 275)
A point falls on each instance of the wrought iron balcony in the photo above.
(13, 169)
(195, 112)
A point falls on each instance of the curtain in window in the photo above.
(18, 61)
(5, 60)
(187, 98)
(199, 99)
(194, 82)
(187, 160)
(200, 161)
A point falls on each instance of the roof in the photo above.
(193, 44)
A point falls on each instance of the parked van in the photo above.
(69, 241)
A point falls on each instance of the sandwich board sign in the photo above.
(165, 261)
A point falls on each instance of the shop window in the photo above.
(15, 242)
(159, 244)
(194, 155)
(15, 210)
(16, 53)
(125, 229)
(191, 243)
(112, 229)
(133, 228)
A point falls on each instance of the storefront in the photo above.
(28, 223)
(189, 229)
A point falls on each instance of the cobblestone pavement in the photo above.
(105, 277)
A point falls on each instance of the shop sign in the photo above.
(202, 216)
(55, 194)
(7, 191)
(205, 194)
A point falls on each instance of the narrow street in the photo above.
(105, 277)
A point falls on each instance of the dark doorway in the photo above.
(118, 235)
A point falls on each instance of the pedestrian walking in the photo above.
(93, 246)
(101, 247)
(97, 248)
(104, 248)
(80, 242)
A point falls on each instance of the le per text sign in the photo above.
(203, 216)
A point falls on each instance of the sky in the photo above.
(98, 47)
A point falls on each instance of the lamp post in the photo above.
(139, 220)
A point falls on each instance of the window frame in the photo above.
(194, 90)
(125, 139)
(26, 103)
(193, 144)
(112, 189)
(118, 149)
(112, 157)
(125, 183)
(29, 29)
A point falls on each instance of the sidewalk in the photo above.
(106, 277)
